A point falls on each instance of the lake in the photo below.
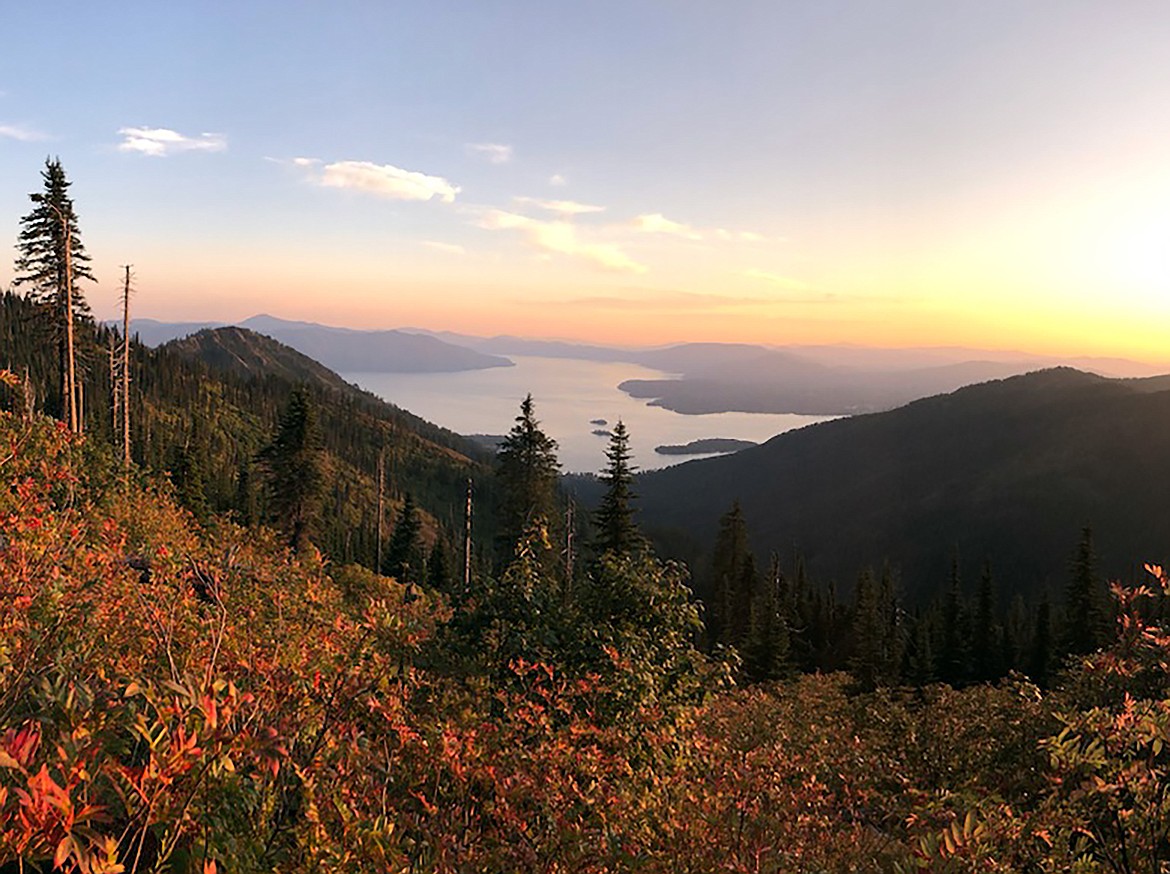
(568, 393)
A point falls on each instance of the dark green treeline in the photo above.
(781, 622)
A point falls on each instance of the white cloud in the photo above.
(493, 153)
(561, 238)
(22, 133)
(449, 248)
(560, 207)
(657, 223)
(385, 180)
(159, 141)
(556, 180)
(786, 282)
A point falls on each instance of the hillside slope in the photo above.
(1008, 470)
(245, 353)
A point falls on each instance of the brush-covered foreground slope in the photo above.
(1008, 471)
(244, 709)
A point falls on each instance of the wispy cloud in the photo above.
(657, 223)
(560, 237)
(560, 207)
(448, 248)
(160, 141)
(556, 180)
(785, 282)
(493, 153)
(384, 180)
(22, 133)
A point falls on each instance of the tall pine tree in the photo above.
(1084, 622)
(730, 605)
(294, 463)
(51, 261)
(527, 471)
(614, 519)
(404, 558)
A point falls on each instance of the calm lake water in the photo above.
(568, 394)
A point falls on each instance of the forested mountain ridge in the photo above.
(1009, 471)
(251, 355)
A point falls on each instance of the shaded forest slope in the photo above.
(1008, 470)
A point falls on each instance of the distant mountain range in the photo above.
(707, 377)
(1008, 471)
(343, 349)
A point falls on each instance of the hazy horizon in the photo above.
(828, 350)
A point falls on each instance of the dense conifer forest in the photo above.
(214, 658)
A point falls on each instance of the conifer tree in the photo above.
(920, 658)
(439, 575)
(528, 471)
(953, 654)
(614, 518)
(729, 609)
(801, 609)
(1084, 616)
(404, 555)
(246, 504)
(767, 648)
(890, 623)
(188, 474)
(50, 262)
(295, 466)
(868, 644)
(1040, 657)
(986, 636)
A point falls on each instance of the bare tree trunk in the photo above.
(70, 368)
(467, 542)
(114, 418)
(30, 396)
(126, 371)
(568, 551)
(381, 505)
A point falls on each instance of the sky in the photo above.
(876, 172)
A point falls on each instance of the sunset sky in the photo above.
(987, 173)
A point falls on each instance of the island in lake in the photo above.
(707, 445)
(600, 432)
(598, 422)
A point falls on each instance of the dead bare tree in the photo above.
(467, 542)
(114, 412)
(126, 370)
(381, 505)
